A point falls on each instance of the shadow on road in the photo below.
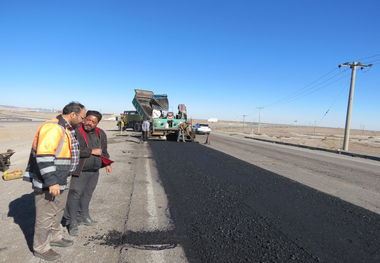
(23, 212)
(227, 210)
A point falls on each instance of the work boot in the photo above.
(65, 221)
(49, 255)
(62, 243)
(73, 230)
(88, 221)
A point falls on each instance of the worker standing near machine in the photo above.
(145, 129)
(181, 132)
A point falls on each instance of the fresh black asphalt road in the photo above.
(227, 210)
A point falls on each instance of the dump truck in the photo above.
(129, 119)
(154, 108)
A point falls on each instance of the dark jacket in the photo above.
(87, 160)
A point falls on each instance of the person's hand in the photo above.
(108, 169)
(96, 152)
(54, 190)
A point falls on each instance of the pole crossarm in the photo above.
(355, 64)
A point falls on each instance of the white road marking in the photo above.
(151, 202)
(149, 213)
(155, 256)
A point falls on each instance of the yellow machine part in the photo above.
(160, 133)
(11, 175)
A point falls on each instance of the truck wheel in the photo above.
(137, 127)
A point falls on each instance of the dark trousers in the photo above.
(81, 189)
(144, 135)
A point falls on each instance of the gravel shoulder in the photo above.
(109, 206)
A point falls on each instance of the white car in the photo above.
(201, 128)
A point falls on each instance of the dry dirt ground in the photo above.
(18, 135)
(361, 141)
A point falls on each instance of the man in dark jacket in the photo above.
(93, 154)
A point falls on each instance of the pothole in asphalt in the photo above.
(155, 240)
(152, 247)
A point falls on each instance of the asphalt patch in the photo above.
(227, 210)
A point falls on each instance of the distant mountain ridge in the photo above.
(16, 108)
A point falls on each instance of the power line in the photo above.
(310, 88)
(317, 88)
(300, 90)
(376, 55)
(304, 88)
(327, 83)
(373, 61)
(314, 85)
(333, 103)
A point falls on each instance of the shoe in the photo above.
(88, 221)
(65, 221)
(73, 230)
(49, 255)
(62, 243)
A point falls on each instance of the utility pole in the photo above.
(244, 119)
(353, 66)
(258, 124)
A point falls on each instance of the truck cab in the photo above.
(129, 119)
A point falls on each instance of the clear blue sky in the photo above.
(221, 58)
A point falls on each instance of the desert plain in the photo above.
(18, 126)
